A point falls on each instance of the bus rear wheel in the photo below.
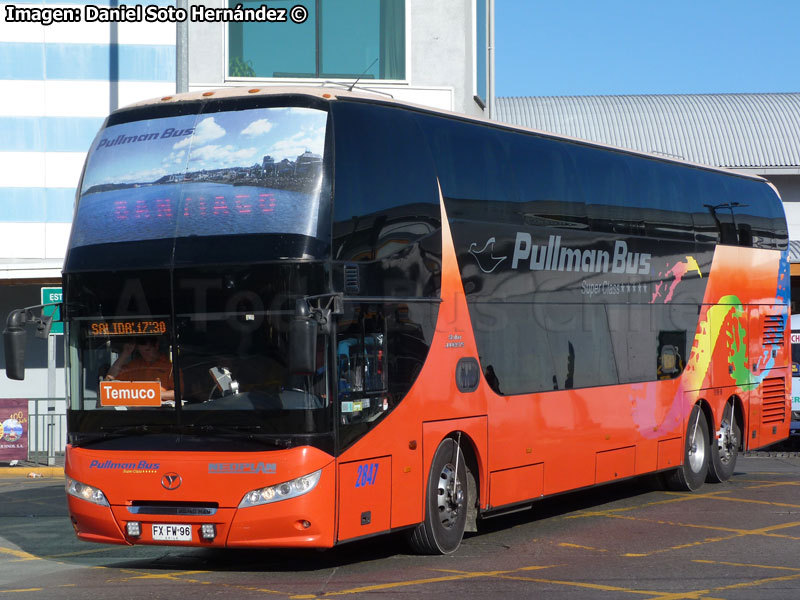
(691, 475)
(724, 447)
(446, 503)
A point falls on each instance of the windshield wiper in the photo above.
(126, 429)
(240, 432)
(111, 433)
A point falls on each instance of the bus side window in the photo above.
(361, 364)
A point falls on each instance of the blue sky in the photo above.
(584, 47)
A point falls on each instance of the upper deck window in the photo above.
(254, 171)
(340, 39)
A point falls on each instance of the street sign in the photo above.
(50, 295)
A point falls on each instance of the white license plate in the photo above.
(172, 533)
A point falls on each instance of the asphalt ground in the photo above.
(734, 541)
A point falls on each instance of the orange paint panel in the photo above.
(516, 485)
(94, 523)
(128, 478)
(365, 490)
(670, 453)
(615, 464)
(731, 264)
(130, 393)
(306, 521)
(474, 433)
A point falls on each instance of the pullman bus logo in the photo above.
(552, 256)
(171, 481)
(486, 262)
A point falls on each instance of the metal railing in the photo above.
(47, 430)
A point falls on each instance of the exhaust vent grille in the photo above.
(774, 329)
(773, 400)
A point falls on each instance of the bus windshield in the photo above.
(199, 351)
(231, 172)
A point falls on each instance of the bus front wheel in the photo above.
(446, 503)
(691, 475)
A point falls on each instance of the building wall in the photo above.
(58, 84)
(788, 187)
(440, 64)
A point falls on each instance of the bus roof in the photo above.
(331, 93)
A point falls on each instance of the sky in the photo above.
(587, 47)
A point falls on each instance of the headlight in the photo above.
(85, 492)
(281, 491)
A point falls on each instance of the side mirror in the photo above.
(302, 342)
(14, 345)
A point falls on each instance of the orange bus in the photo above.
(300, 317)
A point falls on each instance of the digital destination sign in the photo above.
(127, 327)
(256, 171)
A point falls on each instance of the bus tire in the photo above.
(724, 447)
(446, 503)
(691, 475)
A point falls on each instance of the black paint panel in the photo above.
(572, 321)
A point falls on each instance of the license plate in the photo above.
(172, 533)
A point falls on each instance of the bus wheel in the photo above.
(691, 475)
(725, 447)
(445, 503)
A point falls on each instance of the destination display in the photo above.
(127, 327)
(237, 172)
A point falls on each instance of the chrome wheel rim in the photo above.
(726, 440)
(697, 452)
(449, 496)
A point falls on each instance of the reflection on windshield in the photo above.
(235, 172)
(230, 362)
(246, 355)
(141, 359)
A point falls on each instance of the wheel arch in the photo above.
(714, 423)
(473, 446)
(741, 418)
(708, 413)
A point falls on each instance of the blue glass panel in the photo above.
(70, 134)
(273, 49)
(36, 205)
(21, 61)
(340, 39)
(22, 205)
(59, 204)
(21, 134)
(350, 39)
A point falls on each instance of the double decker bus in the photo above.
(300, 317)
